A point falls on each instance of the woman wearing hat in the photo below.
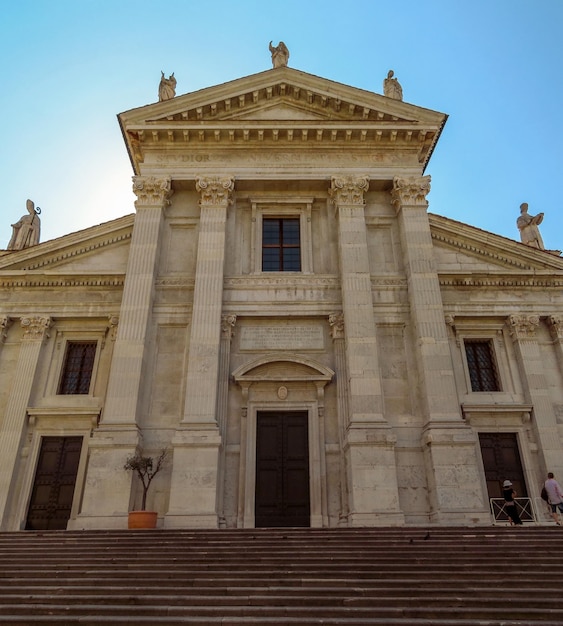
(509, 494)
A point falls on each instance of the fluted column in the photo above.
(435, 366)
(203, 367)
(35, 331)
(122, 398)
(449, 445)
(523, 330)
(365, 402)
(107, 488)
(194, 482)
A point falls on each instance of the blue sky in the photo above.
(68, 67)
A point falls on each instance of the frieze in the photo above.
(262, 157)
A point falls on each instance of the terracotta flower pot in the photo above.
(142, 519)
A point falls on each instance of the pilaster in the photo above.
(193, 492)
(227, 331)
(370, 443)
(336, 322)
(523, 331)
(35, 331)
(449, 445)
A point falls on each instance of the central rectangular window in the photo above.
(481, 366)
(281, 245)
(78, 367)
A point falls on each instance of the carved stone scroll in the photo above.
(215, 191)
(348, 190)
(152, 191)
(410, 191)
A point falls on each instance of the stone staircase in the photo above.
(490, 576)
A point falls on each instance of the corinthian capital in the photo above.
(215, 191)
(410, 191)
(336, 322)
(152, 191)
(35, 328)
(555, 326)
(523, 326)
(348, 190)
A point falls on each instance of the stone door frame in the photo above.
(264, 391)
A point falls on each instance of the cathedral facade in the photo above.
(284, 316)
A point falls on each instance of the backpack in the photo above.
(544, 495)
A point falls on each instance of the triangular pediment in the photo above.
(99, 250)
(279, 105)
(464, 251)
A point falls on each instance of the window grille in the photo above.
(281, 245)
(481, 364)
(78, 367)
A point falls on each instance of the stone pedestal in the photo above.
(193, 490)
(372, 477)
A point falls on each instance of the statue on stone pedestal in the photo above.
(528, 227)
(167, 87)
(392, 87)
(26, 231)
(280, 54)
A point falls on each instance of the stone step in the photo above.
(352, 577)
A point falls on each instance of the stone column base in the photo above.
(193, 487)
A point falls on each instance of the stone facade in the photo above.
(368, 337)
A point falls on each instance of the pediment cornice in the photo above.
(58, 251)
(494, 249)
(281, 106)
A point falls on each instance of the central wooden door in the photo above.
(55, 479)
(282, 469)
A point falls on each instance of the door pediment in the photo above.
(282, 368)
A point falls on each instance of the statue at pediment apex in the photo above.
(280, 54)
(391, 87)
(167, 87)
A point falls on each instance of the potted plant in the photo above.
(146, 468)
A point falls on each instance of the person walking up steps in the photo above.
(509, 494)
(555, 494)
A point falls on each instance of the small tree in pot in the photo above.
(146, 468)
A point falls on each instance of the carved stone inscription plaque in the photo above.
(288, 337)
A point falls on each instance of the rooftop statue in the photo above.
(280, 54)
(528, 227)
(167, 87)
(391, 87)
(25, 232)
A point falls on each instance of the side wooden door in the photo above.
(53, 487)
(282, 470)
